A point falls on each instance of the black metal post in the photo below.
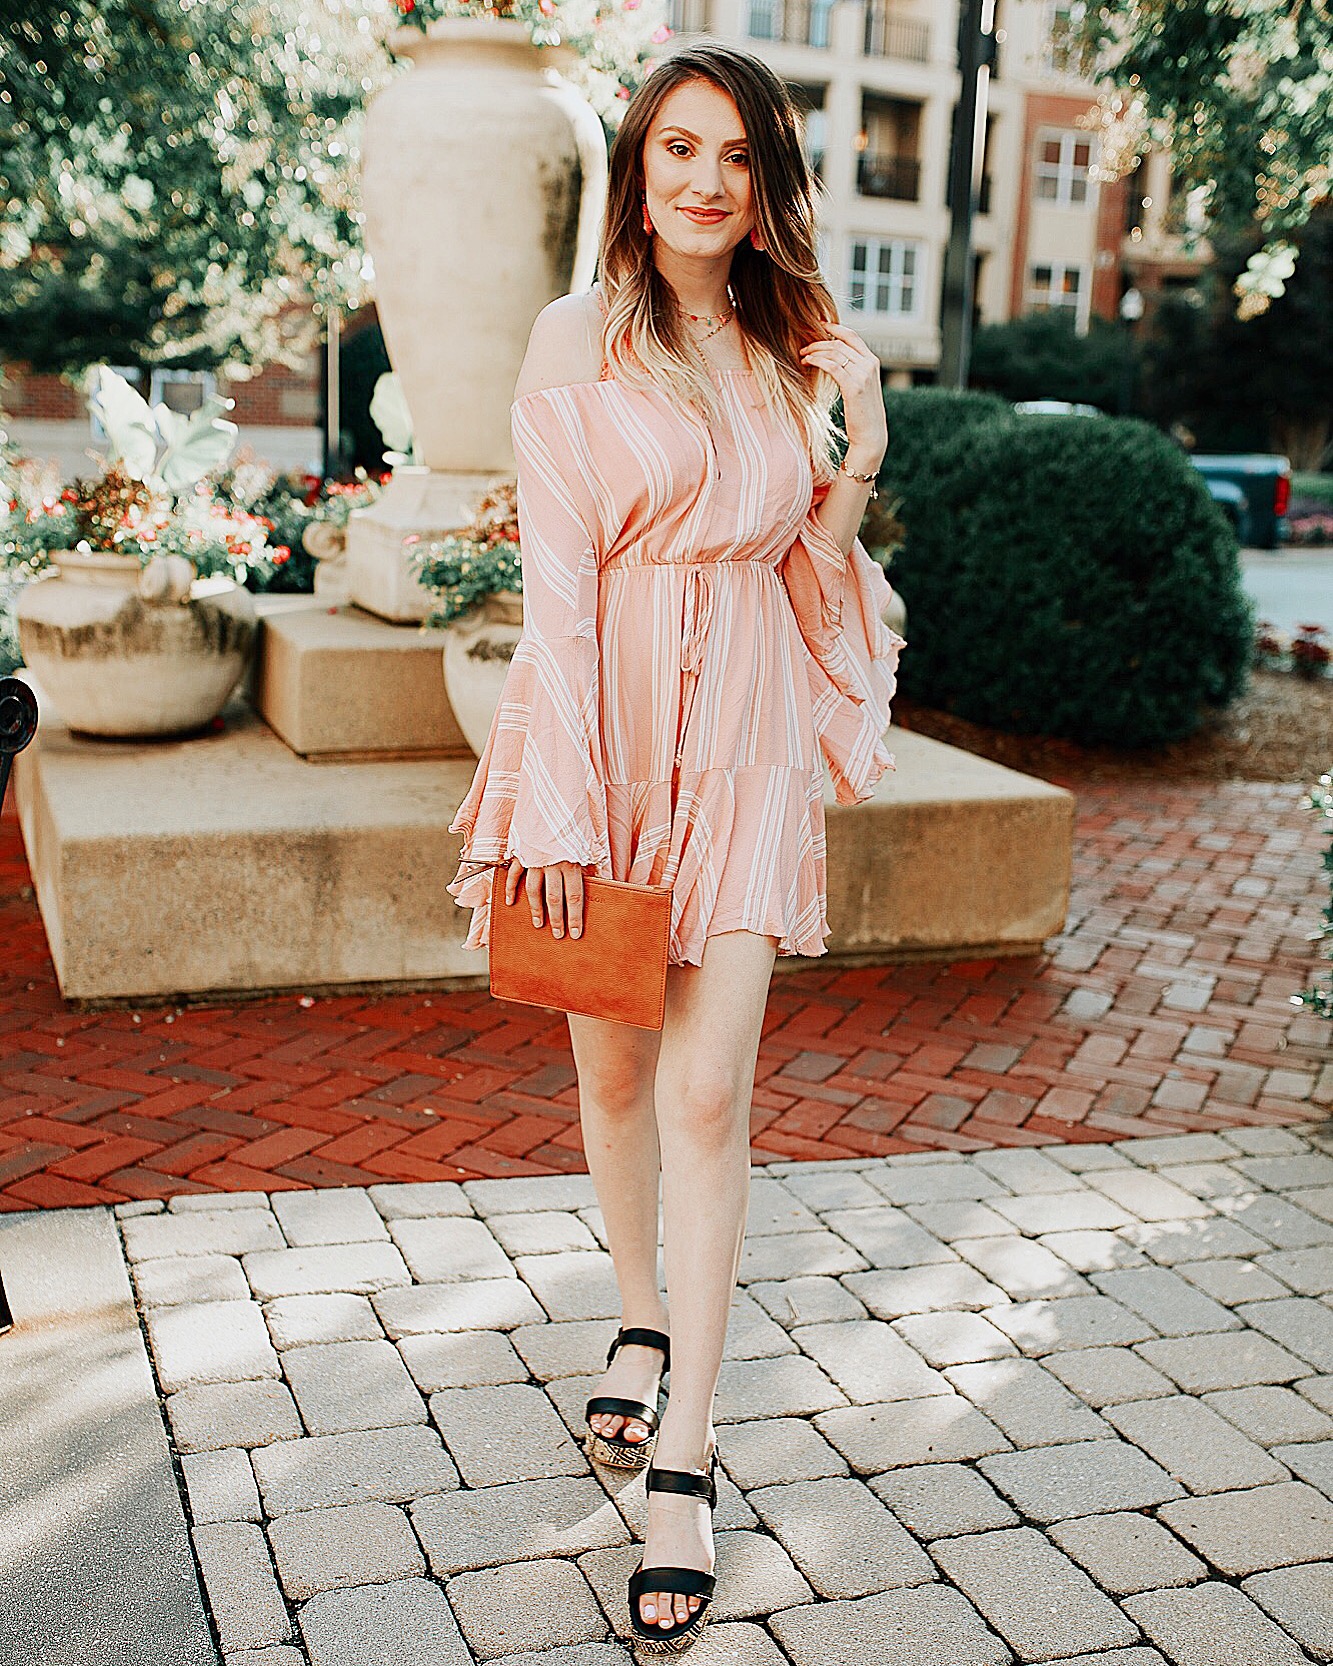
(976, 53)
(18, 724)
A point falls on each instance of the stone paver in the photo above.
(545, 1604)
(930, 1626)
(383, 1625)
(945, 1428)
(506, 1433)
(302, 1321)
(1297, 1323)
(1271, 1415)
(360, 1269)
(1023, 1269)
(481, 1304)
(953, 1338)
(210, 1342)
(841, 1537)
(190, 1278)
(1195, 1444)
(221, 1486)
(1301, 1601)
(895, 1294)
(448, 1250)
(869, 1361)
(1069, 1322)
(772, 1450)
(1107, 1376)
(247, 1605)
(811, 1300)
(1226, 1359)
(389, 1466)
(232, 1414)
(341, 1386)
(1126, 1553)
(1168, 1302)
(540, 1232)
(461, 1359)
(937, 1500)
(791, 1386)
(1253, 1531)
(1037, 1599)
(207, 1232)
(339, 1216)
(483, 1527)
(1029, 1404)
(361, 1544)
(1212, 1625)
(887, 1238)
(1086, 1478)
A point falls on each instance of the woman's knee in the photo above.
(710, 1107)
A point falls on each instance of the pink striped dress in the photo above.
(693, 640)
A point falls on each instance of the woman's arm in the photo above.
(856, 371)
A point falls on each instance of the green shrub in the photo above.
(923, 419)
(1069, 576)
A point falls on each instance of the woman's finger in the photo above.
(513, 877)
(533, 886)
(574, 901)
(555, 900)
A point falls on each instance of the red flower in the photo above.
(281, 554)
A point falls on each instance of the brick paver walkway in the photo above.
(1021, 1405)
(1165, 1005)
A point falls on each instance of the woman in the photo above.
(699, 623)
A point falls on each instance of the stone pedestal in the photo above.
(334, 682)
(230, 864)
(417, 505)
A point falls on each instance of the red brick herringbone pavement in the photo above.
(1165, 1005)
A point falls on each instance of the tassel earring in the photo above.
(755, 239)
(647, 221)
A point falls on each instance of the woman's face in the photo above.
(696, 170)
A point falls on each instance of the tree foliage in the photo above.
(175, 174)
(1242, 92)
(1040, 356)
(1261, 385)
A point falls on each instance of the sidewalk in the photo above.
(1165, 1006)
(1068, 1404)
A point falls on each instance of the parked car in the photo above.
(1254, 488)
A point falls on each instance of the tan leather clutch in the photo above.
(616, 969)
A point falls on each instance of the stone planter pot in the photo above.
(125, 651)
(477, 651)
(484, 180)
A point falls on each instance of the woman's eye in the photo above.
(740, 159)
(678, 148)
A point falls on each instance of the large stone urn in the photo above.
(484, 182)
(477, 650)
(126, 651)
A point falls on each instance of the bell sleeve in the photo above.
(538, 793)
(852, 660)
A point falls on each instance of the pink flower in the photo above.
(660, 34)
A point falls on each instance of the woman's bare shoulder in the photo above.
(564, 346)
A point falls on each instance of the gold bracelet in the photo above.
(864, 479)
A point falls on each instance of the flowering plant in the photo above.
(614, 39)
(1320, 801)
(465, 567)
(1310, 652)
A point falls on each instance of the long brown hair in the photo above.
(780, 299)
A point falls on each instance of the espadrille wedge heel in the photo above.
(655, 1640)
(612, 1449)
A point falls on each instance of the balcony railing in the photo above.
(890, 36)
(690, 17)
(888, 176)
(798, 22)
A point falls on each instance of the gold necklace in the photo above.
(718, 320)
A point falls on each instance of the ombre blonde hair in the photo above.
(780, 299)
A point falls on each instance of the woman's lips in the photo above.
(705, 216)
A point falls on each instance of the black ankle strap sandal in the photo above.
(687, 1582)
(612, 1449)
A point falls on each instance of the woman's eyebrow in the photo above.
(729, 145)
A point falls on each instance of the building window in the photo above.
(1055, 286)
(1063, 54)
(1063, 160)
(883, 276)
(799, 22)
(888, 36)
(809, 102)
(888, 146)
(690, 17)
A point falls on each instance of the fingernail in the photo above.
(577, 931)
(557, 931)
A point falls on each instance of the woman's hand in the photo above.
(856, 371)
(559, 887)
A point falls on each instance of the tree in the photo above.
(175, 175)
(1264, 384)
(1039, 356)
(1242, 93)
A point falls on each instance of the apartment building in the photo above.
(878, 82)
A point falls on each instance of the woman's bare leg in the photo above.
(616, 1065)
(704, 1089)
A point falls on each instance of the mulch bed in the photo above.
(1280, 730)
